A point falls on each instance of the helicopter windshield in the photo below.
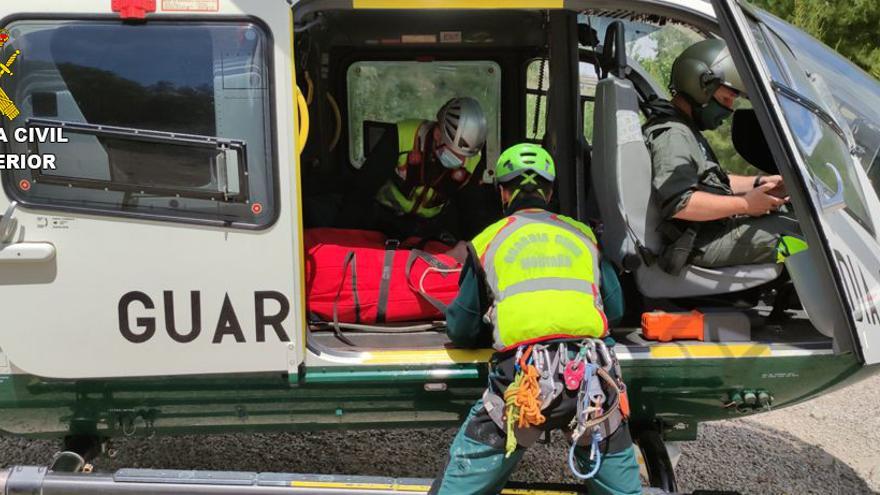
(850, 94)
(831, 106)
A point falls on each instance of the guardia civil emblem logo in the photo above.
(7, 106)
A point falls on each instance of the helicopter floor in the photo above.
(795, 330)
(374, 340)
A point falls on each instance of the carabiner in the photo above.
(605, 354)
(516, 359)
(593, 356)
(595, 454)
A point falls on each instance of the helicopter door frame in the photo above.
(833, 275)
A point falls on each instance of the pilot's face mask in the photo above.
(711, 115)
(448, 158)
(720, 108)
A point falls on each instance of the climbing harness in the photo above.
(542, 373)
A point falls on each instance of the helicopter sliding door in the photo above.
(163, 241)
(823, 142)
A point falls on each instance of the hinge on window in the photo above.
(133, 9)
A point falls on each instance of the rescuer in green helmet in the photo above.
(531, 288)
(735, 219)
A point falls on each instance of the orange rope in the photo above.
(521, 401)
(525, 357)
(525, 397)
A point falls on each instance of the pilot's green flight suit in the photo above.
(477, 463)
(683, 162)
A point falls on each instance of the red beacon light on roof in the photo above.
(133, 9)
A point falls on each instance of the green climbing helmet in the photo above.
(524, 159)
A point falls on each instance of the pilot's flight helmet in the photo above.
(463, 126)
(702, 68)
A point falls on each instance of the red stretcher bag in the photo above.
(359, 276)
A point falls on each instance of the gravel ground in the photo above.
(799, 450)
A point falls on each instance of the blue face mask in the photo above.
(449, 159)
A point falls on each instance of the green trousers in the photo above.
(742, 240)
(478, 468)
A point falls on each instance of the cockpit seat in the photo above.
(621, 175)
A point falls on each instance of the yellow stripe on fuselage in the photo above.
(706, 351)
(338, 485)
(457, 4)
(659, 351)
(439, 356)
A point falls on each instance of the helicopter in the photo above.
(154, 282)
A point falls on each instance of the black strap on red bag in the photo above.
(443, 269)
(391, 246)
(384, 288)
(350, 259)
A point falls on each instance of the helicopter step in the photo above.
(34, 479)
(45, 481)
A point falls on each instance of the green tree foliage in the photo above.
(668, 43)
(850, 28)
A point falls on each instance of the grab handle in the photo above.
(27, 252)
(302, 121)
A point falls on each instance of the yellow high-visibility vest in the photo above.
(543, 271)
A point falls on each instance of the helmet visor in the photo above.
(724, 69)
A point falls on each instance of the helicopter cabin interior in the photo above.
(539, 76)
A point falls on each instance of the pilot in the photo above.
(531, 278)
(411, 177)
(726, 219)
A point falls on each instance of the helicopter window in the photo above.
(807, 101)
(534, 92)
(851, 95)
(874, 172)
(588, 81)
(166, 120)
(822, 148)
(654, 49)
(388, 92)
(537, 82)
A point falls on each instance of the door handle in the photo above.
(27, 252)
(20, 252)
